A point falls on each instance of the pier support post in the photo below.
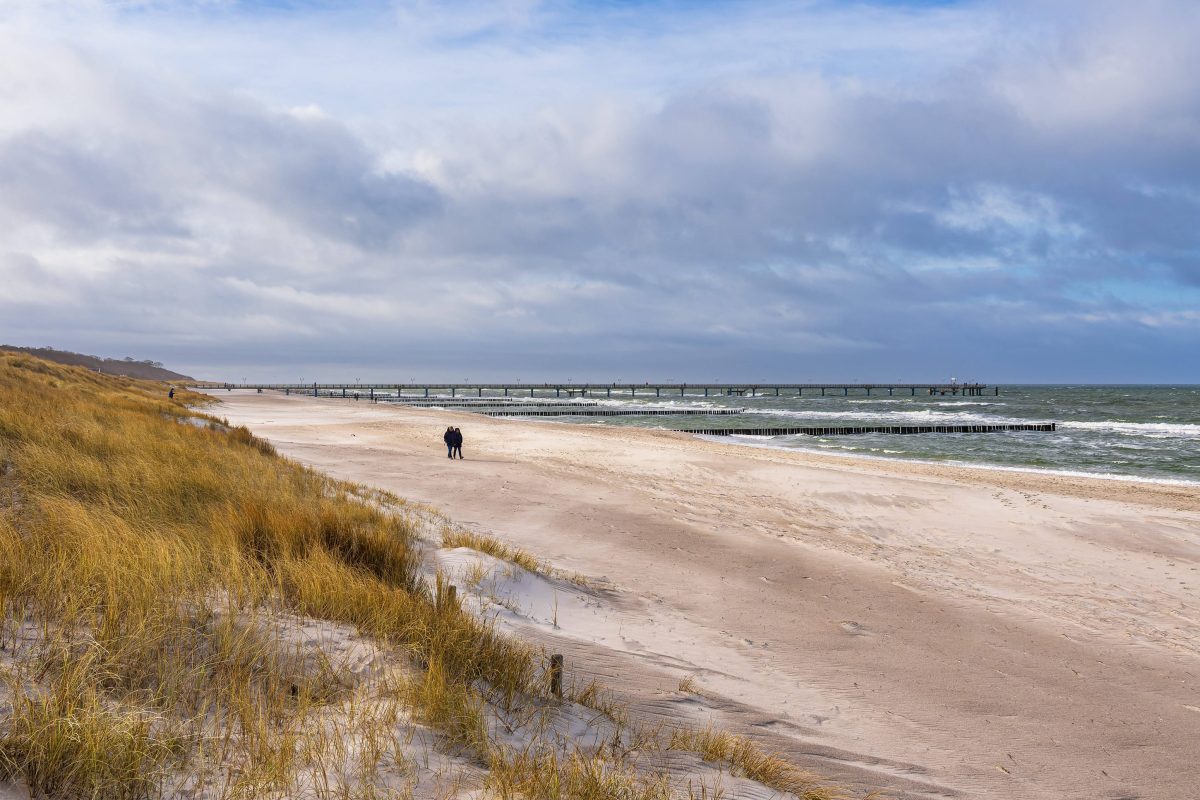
(481, 391)
(452, 391)
(556, 675)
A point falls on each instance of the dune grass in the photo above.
(750, 760)
(136, 551)
(151, 559)
(454, 536)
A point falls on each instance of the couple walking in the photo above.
(453, 439)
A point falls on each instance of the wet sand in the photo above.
(925, 630)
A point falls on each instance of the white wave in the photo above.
(924, 415)
(1151, 430)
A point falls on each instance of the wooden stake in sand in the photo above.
(556, 673)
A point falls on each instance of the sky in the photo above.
(606, 191)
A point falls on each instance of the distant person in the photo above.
(171, 393)
(448, 438)
(457, 450)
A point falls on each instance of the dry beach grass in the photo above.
(185, 613)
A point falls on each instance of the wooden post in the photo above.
(556, 675)
(447, 597)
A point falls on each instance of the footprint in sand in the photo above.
(854, 628)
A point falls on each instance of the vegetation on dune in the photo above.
(157, 571)
(453, 536)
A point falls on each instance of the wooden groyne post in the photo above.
(856, 430)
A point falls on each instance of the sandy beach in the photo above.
(928, 631)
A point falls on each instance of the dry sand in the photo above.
(928, 631)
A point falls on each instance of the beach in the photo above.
(928, 631)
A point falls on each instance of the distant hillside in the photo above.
(146, 370)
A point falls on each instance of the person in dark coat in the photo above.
(457, 449)
(448, 438)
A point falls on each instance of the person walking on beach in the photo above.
(448, 438)
(457, 449)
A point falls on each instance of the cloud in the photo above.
(755, 189)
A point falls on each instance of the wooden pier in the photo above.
(572, 390)
(1045, 427)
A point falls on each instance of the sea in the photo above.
(1140, 432)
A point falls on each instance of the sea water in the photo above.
(1148, 432)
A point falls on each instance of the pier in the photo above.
(1043, 427)
(581, 390)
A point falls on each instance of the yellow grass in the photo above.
(453, 536)
(738, 751)
(138, 548)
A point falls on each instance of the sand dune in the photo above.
(929, 631)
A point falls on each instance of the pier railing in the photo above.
(424, 390)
